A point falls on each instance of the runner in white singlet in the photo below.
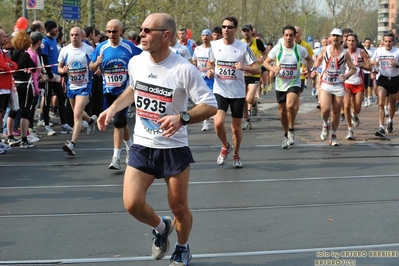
(288, 56)
(355, 85)
(333, 58)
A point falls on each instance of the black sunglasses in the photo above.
(228, 26)
(112, 31)
(148, 30)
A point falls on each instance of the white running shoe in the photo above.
(334, 141)
(69, 147)
(26, 144)
(313, 92)
(13, 142)
(205, 126)
(160, 244)
(32, 138)
(40, 123)
(355, 120)
(222, 158)
(4, 146)
(115, 164)
(291, 138)
(285, 144)
(66, 129)
(92, 128)
(325, 132)
(367, 102)
(247, 125)
(49, 130)
(237, 161)
(350, 136)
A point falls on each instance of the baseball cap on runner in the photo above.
(247, 27)
(336, 31)
(206, 32)
(317, 45)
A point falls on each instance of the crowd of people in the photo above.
(159, 70)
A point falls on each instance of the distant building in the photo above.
(386, 16)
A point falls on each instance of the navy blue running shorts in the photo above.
(160, 163)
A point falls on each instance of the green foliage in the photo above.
(7, 15)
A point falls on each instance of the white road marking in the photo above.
(201, 256)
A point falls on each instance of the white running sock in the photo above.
(128, 143)
(117, 153)
(161, 226)
(184, 245)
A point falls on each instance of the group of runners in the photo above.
(161, 74)
(343, 70)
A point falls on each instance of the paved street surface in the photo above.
(311, 204)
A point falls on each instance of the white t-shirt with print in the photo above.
(163, 89)
(78, 60)
(383, 57)
(201, 55)
(229, 82)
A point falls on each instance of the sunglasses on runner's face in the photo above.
(228, 26)
(148, 30)
(112, 31)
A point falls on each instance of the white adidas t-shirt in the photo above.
(229, 82)
(163, 89)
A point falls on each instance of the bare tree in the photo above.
(308, 8)
(349, 13)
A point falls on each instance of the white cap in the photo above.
(336, 31)
(317, 45)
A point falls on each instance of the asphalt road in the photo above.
(307, 205)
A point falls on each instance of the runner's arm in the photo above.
(62, 70)
(267, 64)
(210, 66)
(253, 68)
(366, 60)
(317, 63)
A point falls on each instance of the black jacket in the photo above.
(23, 60)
